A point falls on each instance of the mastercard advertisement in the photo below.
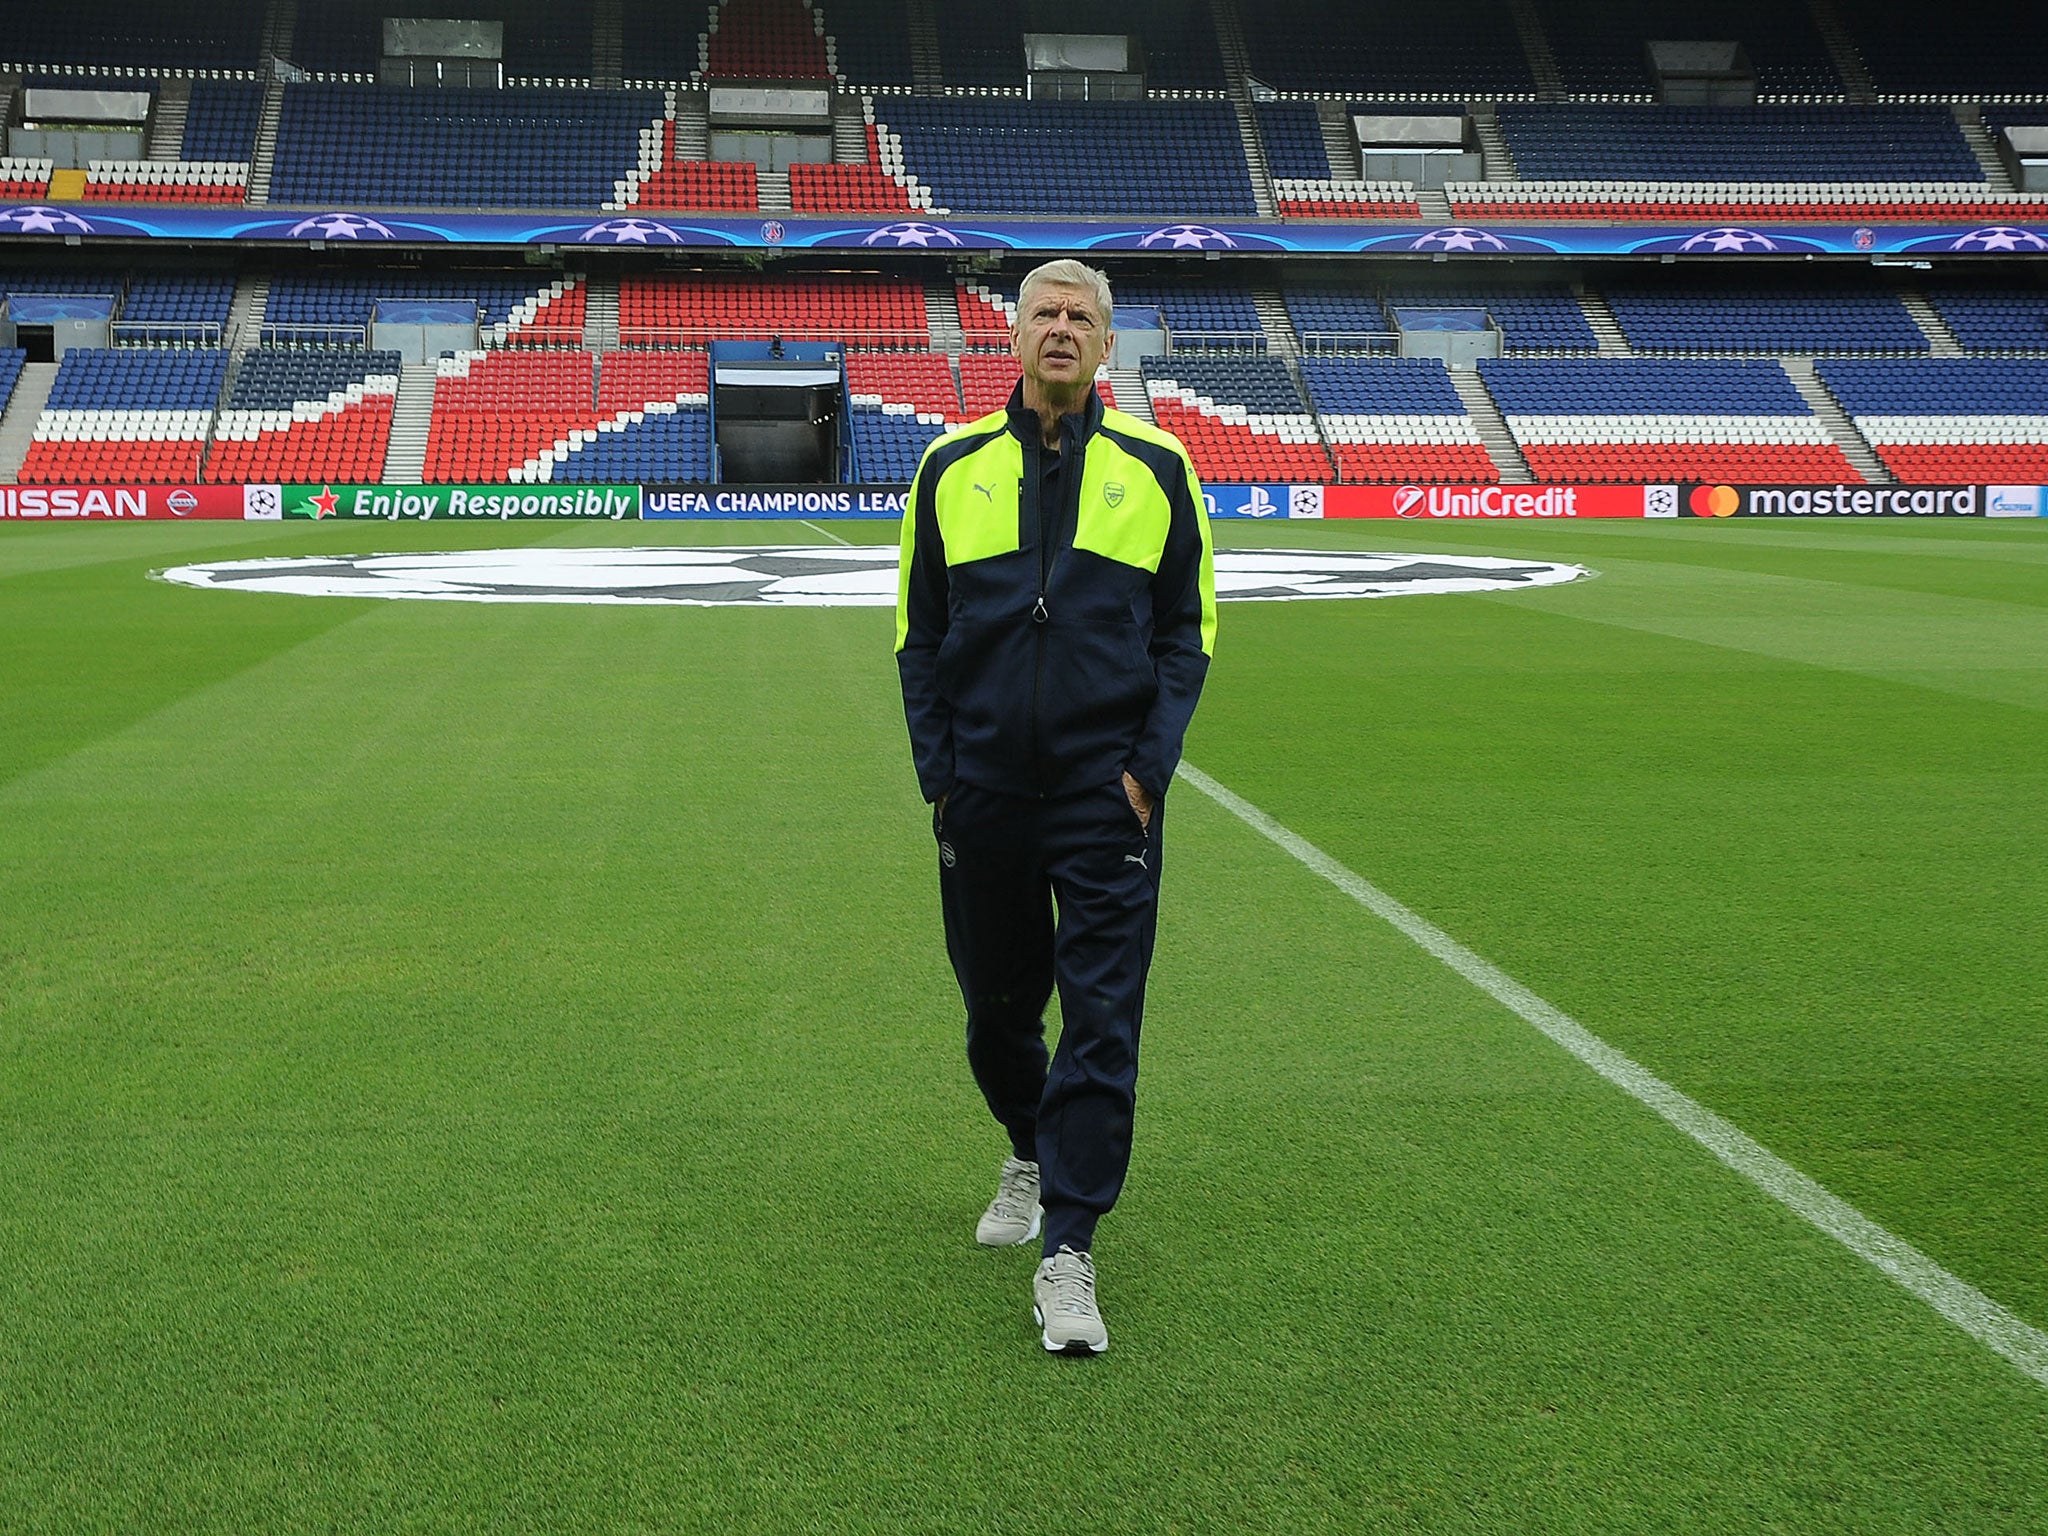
(1832, 500)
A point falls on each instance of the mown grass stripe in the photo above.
(1953, 1297)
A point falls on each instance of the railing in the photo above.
(341, 335)
(654, 336)
(1216, 341)
(1321, 343)
(175, 333)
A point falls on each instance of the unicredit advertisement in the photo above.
(240, 503)
(1460, 503)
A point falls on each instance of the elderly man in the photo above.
(1055, 620)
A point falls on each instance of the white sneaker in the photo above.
(1014, 1215)
(1063, 1301)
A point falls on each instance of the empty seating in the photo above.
(1804, 318)
(987, 380)
(1735, 203)
(1534, 318)
(860, 311)
(24, 179)
(1239, 417)
(986, 312)
(652, 424)
(546, 38)
(1800, 144)
(1946, 421)
(126, 415)
(1972, 50)
(306, 414)
(330, 305)
(1170, 159)
(12, 361)
(713, 186)
(221, 120)
(520, 147)
(138, 34)
(1600, 44)
(1396, 419)
(846, 189)
(1988, 318)
(166, 308)
(1453, 48)
(766, 40)
(496, 412)
(167, 181)
(1623, 419)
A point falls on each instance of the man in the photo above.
(1055, 619)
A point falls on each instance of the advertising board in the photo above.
(494, 503)
(667, 502)
(240, 503)
(1444, 503)
(1833, 500)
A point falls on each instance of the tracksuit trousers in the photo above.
(1037, 893)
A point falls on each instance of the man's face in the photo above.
(1060, 338)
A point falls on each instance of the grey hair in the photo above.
(1068, 273)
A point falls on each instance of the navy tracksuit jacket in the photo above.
(1055, 619)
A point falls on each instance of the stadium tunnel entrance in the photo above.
(778, 413)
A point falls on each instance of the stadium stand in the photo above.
(221, 120)
(549, 39)
(987, 380)
(870, 41)
(1810, 317)
(25, 179)
(1972, 50)
(1067, 159)
(1304, 186)
(516, 148)
(1453, 48)
(900, 402)
(1601, 45)
(328, 306)
(1944, 421)
(127, 415)
(1396, 418)
(158, 181)
(1532, 318)
(846, 189)
(652, 424)
(1732, 205)
(1622, 419)
(12, 361)
(1793, 144)
(1239, 417)
(306, 414)
(496, 412)
(766, 40)
(666, 180)
(177, 309)
(137, 34)
(1987, 318)
(860, 311)
(985, 312)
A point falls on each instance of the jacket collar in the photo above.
(1080, 425)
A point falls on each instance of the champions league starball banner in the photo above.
(313, 227)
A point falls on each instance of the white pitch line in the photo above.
(827, 532)
(1954, 1298)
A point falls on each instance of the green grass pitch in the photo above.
(473, 1068)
